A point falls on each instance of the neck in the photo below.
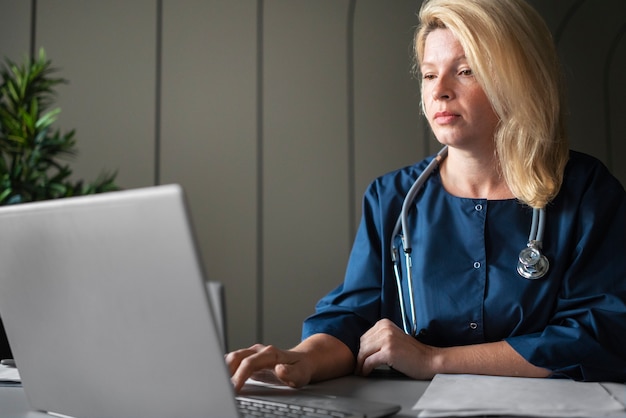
(475, 176)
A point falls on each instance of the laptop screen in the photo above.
(106, 309)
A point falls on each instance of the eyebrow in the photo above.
(455, 60)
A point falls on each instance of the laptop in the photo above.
(105, 305)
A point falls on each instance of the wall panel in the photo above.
(15, 30)
(208, 141)
(615, 91)
(389, 127)
(595, 93)
(107, 52)
(305, 186)
(14, 26)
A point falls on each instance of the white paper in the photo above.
(471, 395)
(9, 374)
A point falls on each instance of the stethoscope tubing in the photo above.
(401, 225)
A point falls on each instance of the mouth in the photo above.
(445, 117)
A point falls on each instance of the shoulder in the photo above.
(585, 173)
(589, 186)
(397, 182)
(384, 196)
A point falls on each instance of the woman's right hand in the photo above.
(319, 357)
(268, 364)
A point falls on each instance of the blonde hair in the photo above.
(512, 55)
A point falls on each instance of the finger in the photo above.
(368, 346)
(267, 358)
(369, 339)
(373, 361)
(234, 358)
(368, 359)
(293, 375)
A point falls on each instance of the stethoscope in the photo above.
(532, 264)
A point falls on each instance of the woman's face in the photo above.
(456, 106)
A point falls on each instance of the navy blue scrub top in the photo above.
(466, 286)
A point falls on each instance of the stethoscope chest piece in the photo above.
(532, 264)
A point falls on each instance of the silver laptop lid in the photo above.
(97, 294)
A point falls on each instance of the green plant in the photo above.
(31, 150)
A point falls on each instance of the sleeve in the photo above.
(353, 307)
(586, 336)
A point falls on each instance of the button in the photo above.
(476, 264)
(478, 207)
(473, 325)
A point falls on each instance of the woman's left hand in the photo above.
(386, 344)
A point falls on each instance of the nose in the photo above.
(442, 89)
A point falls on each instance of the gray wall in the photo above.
(274, 115)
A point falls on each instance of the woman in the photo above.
(491, 92)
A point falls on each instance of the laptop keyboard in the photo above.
(254, 408)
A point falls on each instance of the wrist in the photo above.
(438, 360)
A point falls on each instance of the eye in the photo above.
(466, 72)
(429, 76)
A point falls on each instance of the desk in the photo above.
(404, 392)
